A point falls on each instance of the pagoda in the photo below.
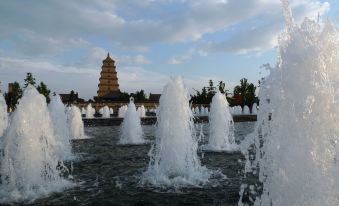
(108, 82)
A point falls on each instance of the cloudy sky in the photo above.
(63, 42)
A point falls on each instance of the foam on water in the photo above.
(59, 119)
(297, 136)
(221, 128)
(3, 115)
(131, 131)
(75, 123)
(29, 162)
(173, 157)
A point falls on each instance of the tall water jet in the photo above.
(221, 128)
(111, 111)
(3, 115)
(131, 131)
(90, 111)
(142, 111)
(59, 119)
(29, 162)
(75, 123)
(173, 157)
(298, 118)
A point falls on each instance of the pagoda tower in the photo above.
(108, 82)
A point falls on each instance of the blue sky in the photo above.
(63, 42)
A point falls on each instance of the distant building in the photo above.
(72, 97)
(108, 82)
(154, 97)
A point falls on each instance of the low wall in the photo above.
(116, 121)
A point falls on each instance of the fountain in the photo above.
(3, 115)
(197, 111)
(83, 111)
(105, 111)
(111, 112)
(90, 111)
(131, 131)
(61, 131)
(75, 123)
(122, 111)
(297, 136)
(142, 111)
(173, 157)
(246, 110)
(255, 108)
(221, 130)
(29, 161)
(206, 111)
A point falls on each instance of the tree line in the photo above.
(243, 94)
(12, 98)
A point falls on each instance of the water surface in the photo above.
(109, 174)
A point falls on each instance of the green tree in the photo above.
(207, 93)
(247, 93)
(221, 87)
(12, 97)
(139, 95)
(250, 97)
(42, 89)
(29, 80)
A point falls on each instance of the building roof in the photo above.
(108, 59)
(112, 95)
(154, 97)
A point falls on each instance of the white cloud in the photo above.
(132, 60)
(133, 24)
(95, 55)
(184, 57)
(84, 79)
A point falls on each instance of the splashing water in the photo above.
(246, 110)
(197, 111)
(142, 111)
(298, 118)
(83, 110)
(3, 115)
(90, 111)
(29, 161)
(221, 132)
(75, 123)
(173, 158)
(236, 110)
(122, 111)
(254, 108)
(131, 131)
(105, 111)
(61, 131)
